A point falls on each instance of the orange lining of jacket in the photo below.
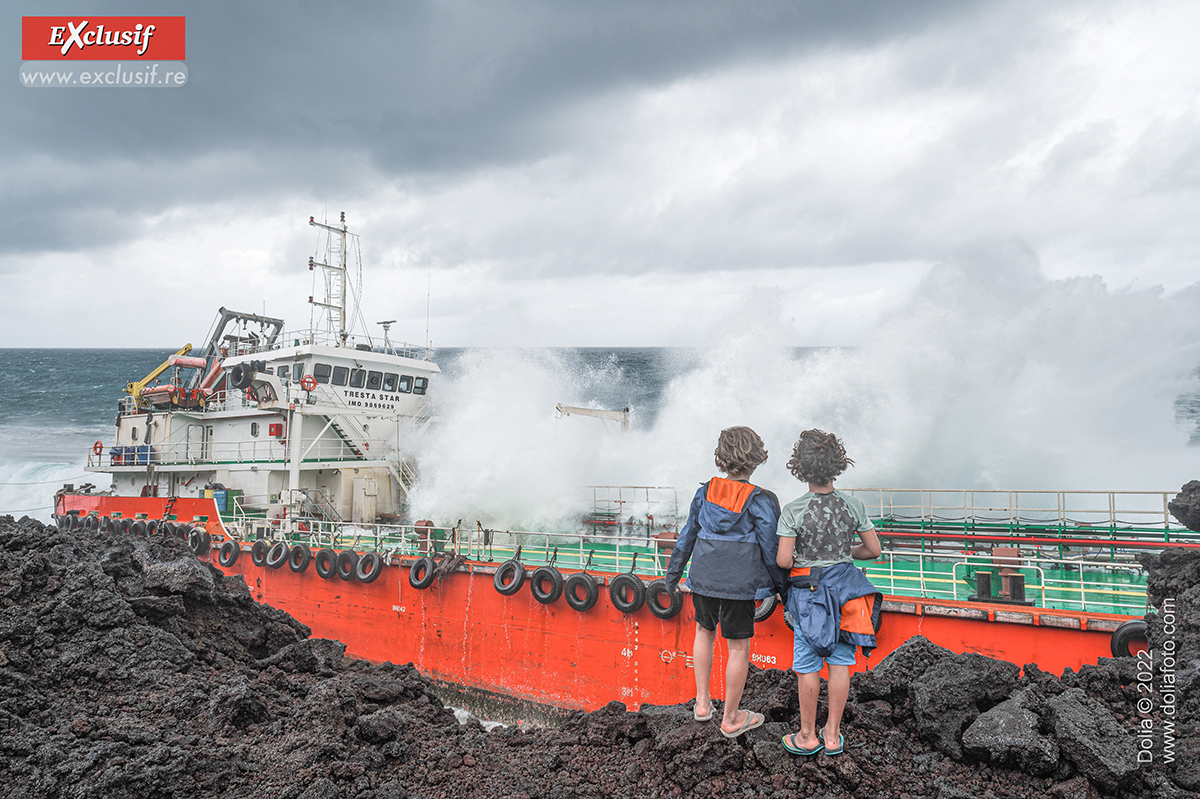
(729, 494)
(856, 613)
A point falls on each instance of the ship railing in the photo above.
(260, 450)
(1052, 582)
(325, 338)
(1137, 514)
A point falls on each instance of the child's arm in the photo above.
(787, 549)
(685, 543)
(869, 549)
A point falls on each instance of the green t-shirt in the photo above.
(823, 526)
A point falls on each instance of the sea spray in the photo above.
(990, 376)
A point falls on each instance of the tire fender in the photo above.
(298, 558)
(581, 581)
(369, 567)
(325, 562)
(228, 554)
(258, 552)
(538, 580)
(347, 564)
(763, 608)
(674, 600)
(514, 573)
(278, 555)
(637, 592)
(1126, 635)
(421, 573)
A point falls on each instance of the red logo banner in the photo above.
(93, 38)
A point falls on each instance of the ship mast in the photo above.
(333, 308)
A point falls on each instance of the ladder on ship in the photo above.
(314, 499)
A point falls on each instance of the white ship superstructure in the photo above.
(282, 425)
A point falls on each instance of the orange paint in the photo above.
(461, 630)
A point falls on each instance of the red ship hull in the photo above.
(460, 630)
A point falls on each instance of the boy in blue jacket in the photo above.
(730, 538)
(833, 605)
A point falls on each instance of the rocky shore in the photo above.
(128, 668)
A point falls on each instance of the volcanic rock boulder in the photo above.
(951, 694)
(892, 678)
(1185, 507)
(1091, 738)
(1008, 735)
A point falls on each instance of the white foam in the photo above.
(990, 376)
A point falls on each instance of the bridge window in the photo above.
(297, 373)
(340, 375)
(282, 371)
(389, 381)
(357, 378)
(405, 386)
(321, 372)
(374, 380)
(420, 384)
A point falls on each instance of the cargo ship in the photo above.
(284, 457)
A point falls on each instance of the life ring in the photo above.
(278, 554)
(421, 573)
(98, 448)
(591, 591)
(763, 608)
(369, 567)
(308, 383)
(1124, 637)
(347, 564)
(537, 584)
(325, 562)
(299, 559)
(509, 578)
(637, 592)
(674, 600)
(228, 554)
(258, 552)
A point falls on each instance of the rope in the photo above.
(23, 510)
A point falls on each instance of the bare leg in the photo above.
(839, 690)
(736, 669)
(702, 657)
(810, 691)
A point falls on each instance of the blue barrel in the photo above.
(221, 498)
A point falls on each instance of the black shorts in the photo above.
(736, 615)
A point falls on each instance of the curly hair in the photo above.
(739, 450)
(818, 457)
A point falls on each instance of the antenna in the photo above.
(387, 342)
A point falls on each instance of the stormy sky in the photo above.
(599, 174)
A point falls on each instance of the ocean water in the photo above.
(991, 376)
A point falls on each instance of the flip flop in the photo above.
(797, 750)
(841, 743)
(752, 720)
(711, 710)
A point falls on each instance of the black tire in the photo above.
(166, 529)
(591, 591)
(228, 553)
(240, 376)
(509, 578)
(674, 600)
(126, 526)
(90, 523)
(764, 608)
(138, 528)
(258, 552)
(537, 581)
(788, 620)
(1124, 636)
(199, 541)
(277, 555)
(105, 522)
(370, 566)
(151, 528)
(421, 573)
(299, 558)
(325, 562)
(182, 531)
(636, 588)
(347, 564)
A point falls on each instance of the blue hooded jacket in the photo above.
(816, 601)
(730, 539)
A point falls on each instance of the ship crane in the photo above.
(134, 389)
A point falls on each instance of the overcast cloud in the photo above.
(599, 174)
